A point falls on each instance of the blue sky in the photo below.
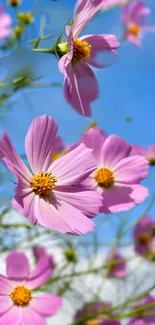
(126, 88)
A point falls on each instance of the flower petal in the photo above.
(74, 166)
(14, 163)
(123, 198)
(94, 139)
(29, 316)
(63, 218)
(39, 280)
(46, 305)
(17, 266)
(41, 273)
(39, 145)
(88, 202)
(25, 205)
(101, 44)
(131, 170)
(80, 87)
(113, 150)
(5, 286)
(12, 317)
(5, 304)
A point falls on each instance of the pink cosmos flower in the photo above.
(144, 235)
(134, 17)
(5, 24)
(46, 193)
(80, 84)
(116, 265)
(146, 317)
(117, 176)
(92, 308)
(148, 153)
(40, 253)
(19, 304)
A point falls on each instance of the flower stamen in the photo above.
(134, 30)
(81, 50)
(21, 296)
(104, 177)
(144, 239)
(43, 183)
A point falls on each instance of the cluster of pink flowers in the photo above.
(65, 187)
(98, 175)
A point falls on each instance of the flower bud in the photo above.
(14, 3)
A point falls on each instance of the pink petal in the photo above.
(41, 279)
(123, 198)
(25, 205)
(30, 317)
(94, 139)
(137, 150)
(73, 167)
(136, 321)
(88, 202)
(39, 145)
(150, 152)
(131, 170)
(133, 39)
(5, 304)
(113, 150)
(63, 218)
(101, 44)
(80, 87)
(12, 317)
(5, 286)
(17, 266)
(14, 163)
(46, 305)
(41, 273)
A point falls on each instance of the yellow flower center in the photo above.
(81, 50)
(104, 177)
(43, 183)
(144, 239)
(151, 161)
(134, 30)
(92, 322)
(55, 155)
(21, 296)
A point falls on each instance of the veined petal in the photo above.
(131, 170)
(39, 280)
(94, 139)
(113, 150)
(5, 304)
(17, 266)
(101, 44)
(63, 217)
(12, 317)
(73, 167)
(80, 87)
(14, 163)
(25, 205)
(29, 316)
(39, 143)
(46, 305)
(5, 286)
(88, 202)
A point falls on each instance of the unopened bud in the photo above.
(25, 17)
(70, 255)
(14, 3)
